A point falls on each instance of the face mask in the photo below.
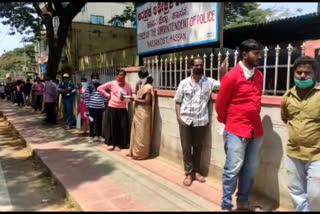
(95, 81)
(144, 80)
(303, 83)
(198, 71)
(84, 85)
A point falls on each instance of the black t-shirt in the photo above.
(27, 88)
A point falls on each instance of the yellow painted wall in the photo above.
(91, 46)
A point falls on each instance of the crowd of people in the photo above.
(238, 105)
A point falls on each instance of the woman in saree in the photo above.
(143, 116)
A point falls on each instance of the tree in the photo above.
(14, 61)
(129, 14)
(239, 14)
(236, 14)
(30, 17)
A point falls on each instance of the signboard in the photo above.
(168, 25)
(43, 68)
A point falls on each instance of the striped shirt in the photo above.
(93, 99)
(194, 98)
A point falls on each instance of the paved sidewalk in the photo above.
(100, 180)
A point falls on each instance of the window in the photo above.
(97, 20)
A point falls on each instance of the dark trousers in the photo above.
(96, 125)
(20, 100)
(51, 114)
(191, 142)
(38, 102)
(117, 129)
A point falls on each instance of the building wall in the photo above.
(270, 179)
(311, 46)
(108, 10)
(92, 46)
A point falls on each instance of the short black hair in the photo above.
(118, 71)
(194, 59)
(94, 75)
(143, 74)
(303, 60)
(249, 45)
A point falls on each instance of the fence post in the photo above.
(175, 72)
(165, 72)
(170, 73)
(265, 68)
(161, 61)
(157, 73)
(227, 58)
(204, 64)
(235, 58)
(276, 70)
(290, 48)
(219, 63)
(186, 66)
(181, 61)
(302, 49)
(211, 64)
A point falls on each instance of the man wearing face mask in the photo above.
(300, 111)
(67, 89)
(95, 103)
(192, 99)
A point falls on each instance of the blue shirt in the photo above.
(67, 84)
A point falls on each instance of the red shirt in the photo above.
(238, 103)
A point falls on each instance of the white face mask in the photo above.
(84, 85)
(95, 80)
(144, 80)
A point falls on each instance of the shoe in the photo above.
(95, 138)
(243, 206)
(226, 208)
(198, 177)
(187, 180)
(117, 149)
(90, 140)
(101, 139)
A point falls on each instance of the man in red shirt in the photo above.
(238, 106)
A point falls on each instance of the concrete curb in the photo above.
(39, 161)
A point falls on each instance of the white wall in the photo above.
(107, 9)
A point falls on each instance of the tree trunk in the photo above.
(55, 50)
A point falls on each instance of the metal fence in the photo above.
(106, 74)
(167, 72)
(275, 65)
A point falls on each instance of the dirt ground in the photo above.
(29, 186)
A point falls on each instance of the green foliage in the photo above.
(236, 14)
(27, 17)
(21, 16)
(129, 14)
(13, 61)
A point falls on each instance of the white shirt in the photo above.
(248, 73)
(194, 98)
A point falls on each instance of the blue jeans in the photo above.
(68, 109)
(304, 184)
(242, 160)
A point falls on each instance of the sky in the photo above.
(8, 43)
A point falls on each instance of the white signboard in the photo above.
(167, 25)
